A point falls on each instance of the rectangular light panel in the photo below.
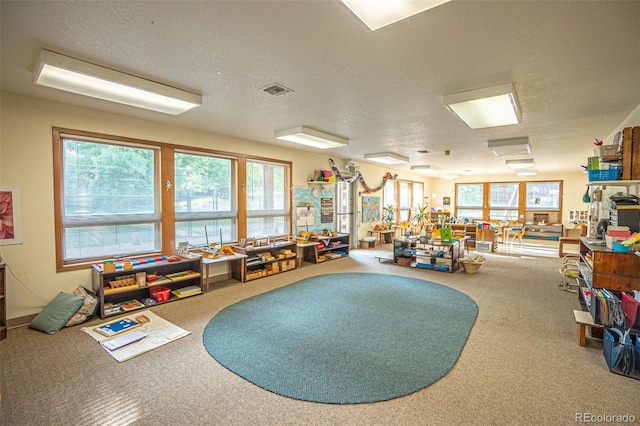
(387, 158)
(520, 164)
(426, 169)
(73, 75)
(513, 146)
(376, 14)
(488, 107)
(311, 137)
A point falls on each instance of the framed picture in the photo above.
(370, 209)
(10, 223)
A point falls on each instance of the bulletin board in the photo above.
(314, 208)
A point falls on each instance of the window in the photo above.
(119, 196)
(267, 197)
(504, 201)
(205, 205)
(409, 195)
(389, 193)
(343, 207)
(543, 196)
(470, 200)
(418, 198)
(510, 201)
(109, 199)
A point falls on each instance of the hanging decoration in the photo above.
(385, 178)
(340, 177)
(357, 175)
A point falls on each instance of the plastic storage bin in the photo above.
(159, 293)
(483, 246)
(596, 175)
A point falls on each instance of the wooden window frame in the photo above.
(166, 192)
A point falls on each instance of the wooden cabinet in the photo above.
(3, 302)
(612, 270)
(277, 257)
(631, 153)
(490, 236)
(468, 230)
(173, 275)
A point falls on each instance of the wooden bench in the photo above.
(584, 320)
(566, 240)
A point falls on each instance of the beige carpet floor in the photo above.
(521, 365)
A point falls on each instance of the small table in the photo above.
(584, 320)
(302, 249)
(236, 267)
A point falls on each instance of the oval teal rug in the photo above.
(344, 338)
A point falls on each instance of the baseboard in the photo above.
(20, 321)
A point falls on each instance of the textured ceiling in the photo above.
(575, 66)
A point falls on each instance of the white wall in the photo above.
(26, 161)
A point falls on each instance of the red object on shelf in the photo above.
(159, 293)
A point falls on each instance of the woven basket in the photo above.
(404, 261)
(471, 267)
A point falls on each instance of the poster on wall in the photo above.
(10, 226)
(305, 216)
(326, 210)
(370, 209)
(446, 201)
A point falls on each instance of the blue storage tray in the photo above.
(596, 175)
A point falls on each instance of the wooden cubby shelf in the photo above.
(277, 257)
(186, 273)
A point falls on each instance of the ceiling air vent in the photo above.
(276, 89)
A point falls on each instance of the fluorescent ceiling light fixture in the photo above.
(84, 78)
(520, 164)
(376, 14)
(387, 158)
(450, 176)
(311, 137)
(513, 146)
(488, 107)
(425, 169)
(526, 172)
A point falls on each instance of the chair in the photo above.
(518, 234)
(570, 273)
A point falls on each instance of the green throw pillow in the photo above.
(56, 314)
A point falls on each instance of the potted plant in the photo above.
(422, 217)
(388, 215)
